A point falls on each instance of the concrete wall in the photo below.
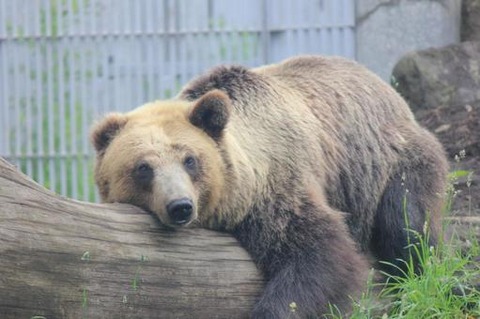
(387, 29)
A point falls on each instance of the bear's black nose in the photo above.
(180, 210)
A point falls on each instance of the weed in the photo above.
(443, 289)
(135, 280)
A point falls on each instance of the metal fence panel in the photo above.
(64, 63)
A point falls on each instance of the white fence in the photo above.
(63, 63)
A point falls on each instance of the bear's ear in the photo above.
(211, 113)
(104, 131)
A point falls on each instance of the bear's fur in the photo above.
(310, 163)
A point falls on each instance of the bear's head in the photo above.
(164, 157)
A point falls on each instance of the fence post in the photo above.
(265, 33)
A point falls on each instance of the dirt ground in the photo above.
(458, 129)
(467, 198)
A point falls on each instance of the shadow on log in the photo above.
(62, 258)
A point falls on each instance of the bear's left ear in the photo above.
(211, 113)
(106, 130)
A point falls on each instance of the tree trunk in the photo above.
(62, 258)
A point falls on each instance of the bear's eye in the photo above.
(144, 172)
(143, 167)
(190, 163)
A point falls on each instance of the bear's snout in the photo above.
(180, 211)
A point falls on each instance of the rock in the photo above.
(470, 27)
(444, 77)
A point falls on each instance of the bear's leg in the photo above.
(411, 204)
(308, 258)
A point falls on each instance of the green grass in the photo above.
(444, 290)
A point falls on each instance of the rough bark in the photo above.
(62, 258)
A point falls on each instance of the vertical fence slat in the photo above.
(152, 53)
(38, 45)
(117, 90)
(88, 104)
(288, 25)
(182, 43)
(68, 61)
(81, 84)
(73, 89)
(350, 36)
(138, 50)
(265, 33)
(28, 95)
(90, 72)
(2, 18)
(51, 99)
(128, 39)
(15, 99)
(172, 46)
(149, 62)
(61, 99)
(5, 131)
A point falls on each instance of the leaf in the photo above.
(458, 173)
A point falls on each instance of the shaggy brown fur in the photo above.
(306, 162)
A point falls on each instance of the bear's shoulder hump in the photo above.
(230, 79)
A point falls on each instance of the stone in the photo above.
(436, 78)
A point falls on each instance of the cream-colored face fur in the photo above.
(155, 158)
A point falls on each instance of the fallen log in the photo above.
(62, 258)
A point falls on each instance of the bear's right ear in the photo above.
(211, 113)
(104, 131)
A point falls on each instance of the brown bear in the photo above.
(310, 163)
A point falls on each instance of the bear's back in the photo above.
(342, 86)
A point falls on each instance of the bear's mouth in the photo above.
(171, 225)
(181, 222)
